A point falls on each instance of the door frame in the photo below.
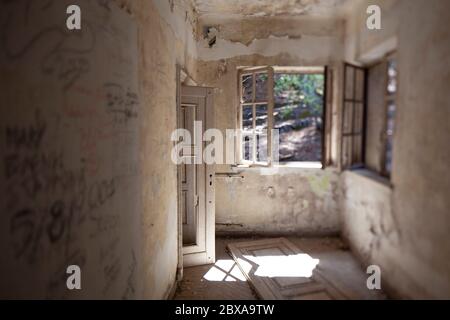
(179, 217)
(197, 258)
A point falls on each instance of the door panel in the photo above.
(188, 178)
(196, 180)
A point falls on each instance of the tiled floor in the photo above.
(224, 280)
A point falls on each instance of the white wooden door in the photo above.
(196, 181)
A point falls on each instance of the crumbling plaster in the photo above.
(292, 201)
(258, 8)
(398, 227)
(289, 202)
(296, 200)
(306, 37)
(386, 223)
(244, 29)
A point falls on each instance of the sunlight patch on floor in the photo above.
(299, 265)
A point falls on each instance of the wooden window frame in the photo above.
(271, 71)
(327, 117)
(254, 103)
(353, 133)
(388, 98)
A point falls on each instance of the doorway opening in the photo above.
(195, 179)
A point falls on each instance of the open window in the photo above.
(255, 109)
(368, 118)
(291, 100)
(353, 117)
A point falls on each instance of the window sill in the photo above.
(249, 166)
(299, 165)
(371, 175)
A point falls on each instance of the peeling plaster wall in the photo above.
(244, 30)
(403, 228)
(83, 184)
(301, 201)
(307, 39)
(257, 8)
(292, 201)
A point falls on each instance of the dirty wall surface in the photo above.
(296, 200)
(402, 226)
(83, 115)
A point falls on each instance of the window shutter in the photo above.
(353, 117)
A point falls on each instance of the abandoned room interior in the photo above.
(225, 149)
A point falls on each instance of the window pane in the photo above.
(392, 76)
(389, 135)
(247, 145)
(261, 87)
(388, 161)
(357, 149)
(349, 80)
(261, 147)
(392, 68)
(392, 85)
(247, 117)
(348, 117)
(247, 132)
(390, 118)
(261, 117)
(247, 88)
(358, 118)
(346, 151)
(359, 90)
(298, 114)
(261, 132)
